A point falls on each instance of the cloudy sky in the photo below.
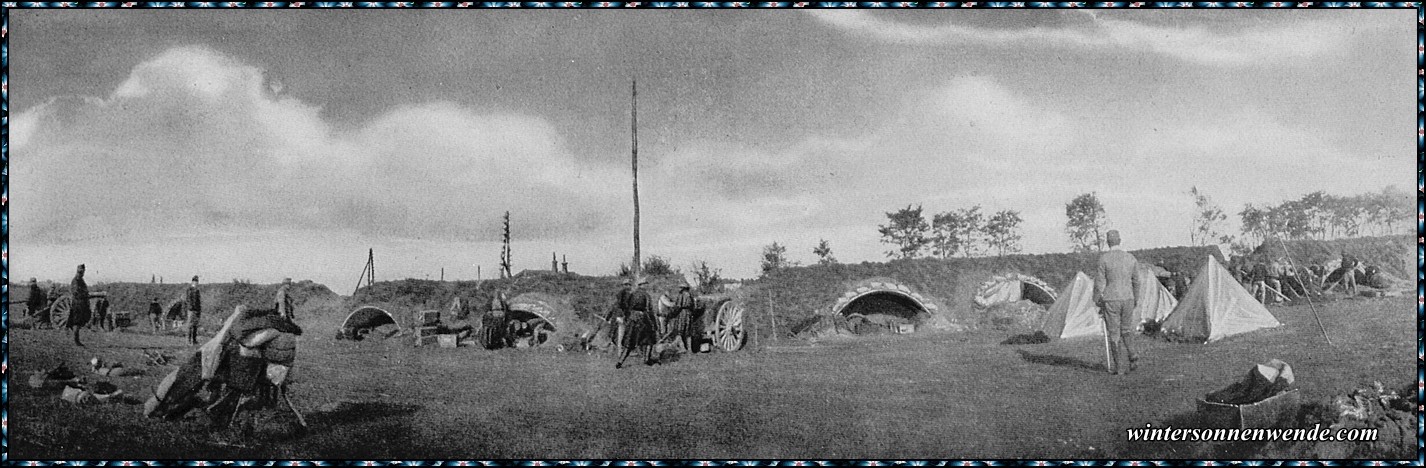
(264, 144)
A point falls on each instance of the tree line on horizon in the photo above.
(970, 232)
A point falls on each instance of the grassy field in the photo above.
(896, 396)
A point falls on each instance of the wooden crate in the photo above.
(426, 318)
(427, 340)
(1278, 411)
(446, 341)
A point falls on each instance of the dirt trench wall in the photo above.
(1393, 254)
(791, 295)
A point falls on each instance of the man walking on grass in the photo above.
(1116, 290)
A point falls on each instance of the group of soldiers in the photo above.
(1279, 281)
(636, 323)
(81, 315)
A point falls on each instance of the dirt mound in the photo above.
(312, 300)
(790, 295)
(587, 296)
(1393, 254)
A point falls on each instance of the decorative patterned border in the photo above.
(5, 8)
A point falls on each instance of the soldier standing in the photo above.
(79, 304)
(1116, 290)
(195, 310)
(284, 299)
(36, 301)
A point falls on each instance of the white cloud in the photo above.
(196, 151)
(1192, 44)
(193, 142)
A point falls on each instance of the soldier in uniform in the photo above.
(682, 329)
(1116, 290)
(618, 313)
(79, 304)
(640, 327)
(36, 302)
(495, 326)
(155, 315)
(195, 310)
(284, 299)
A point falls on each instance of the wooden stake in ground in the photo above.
(772, 316)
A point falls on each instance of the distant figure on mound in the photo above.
(1116, 290)
(36, 302)
(495, 324)
(79, 313)
(284, 300)
(195, 310)
(640, 329)
(155, 315)
(1346, 275)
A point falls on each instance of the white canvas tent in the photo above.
(1215, 307)
(1074, 313)
(1155, 302)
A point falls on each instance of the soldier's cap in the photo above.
(195, 277)
(81, 266)
(287, 280)
(627, 281)
(32, 280)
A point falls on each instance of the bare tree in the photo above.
(1208, 219)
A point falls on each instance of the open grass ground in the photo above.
(897, 396)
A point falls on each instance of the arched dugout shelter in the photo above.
(552, 315)
(890, 297)
(1013, 287)
(363, 320)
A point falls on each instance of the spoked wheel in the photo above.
(59, 311)
(730, 335)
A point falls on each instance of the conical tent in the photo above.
(1155, 302)
(1074, 313)
(1216, 306)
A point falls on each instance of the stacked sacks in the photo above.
(254, 349)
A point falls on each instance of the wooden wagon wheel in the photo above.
(59, 311)
(730, 336)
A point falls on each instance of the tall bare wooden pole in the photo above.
(634, 124)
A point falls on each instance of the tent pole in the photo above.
(1293, 264)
